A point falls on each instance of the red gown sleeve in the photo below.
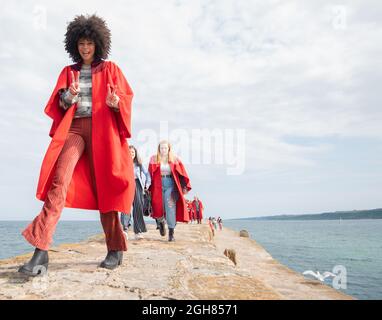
(125, 94)
(151, 169)
(52, 109)
(183, 173)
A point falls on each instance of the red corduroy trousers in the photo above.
(40, 231)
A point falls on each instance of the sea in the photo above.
(352, 246)
(12, 243)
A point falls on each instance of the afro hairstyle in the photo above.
(91, 28)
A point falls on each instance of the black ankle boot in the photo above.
(171, 234)
(37, 265)
(112, 260)
(162, 228)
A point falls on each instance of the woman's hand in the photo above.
(184, 190)
(112, 99)
(74, 88)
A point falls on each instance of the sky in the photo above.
(273, 106)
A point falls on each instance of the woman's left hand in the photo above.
(112, 99)
(185, 191)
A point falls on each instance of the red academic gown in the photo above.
(200, 209)
(177, 169)
(190, 210)
(112, 161)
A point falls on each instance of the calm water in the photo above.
(12, 243)
(322, 244)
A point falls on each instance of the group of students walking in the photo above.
(213, 223)
(89, 163)
(166, 182)
(195, 210)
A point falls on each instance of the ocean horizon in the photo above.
(12, 243)
(320, 245)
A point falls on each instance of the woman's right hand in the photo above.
(74, 88)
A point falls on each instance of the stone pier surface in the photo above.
(192, 267)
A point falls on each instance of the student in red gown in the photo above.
(88, 163)
(190, 211)
(169, 184)
(198, 209)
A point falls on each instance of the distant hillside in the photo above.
(345, 215)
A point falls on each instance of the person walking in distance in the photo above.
(198, 209)
(142, 183)
(220, 223)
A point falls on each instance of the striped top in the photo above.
(197, 205)
(84, 98)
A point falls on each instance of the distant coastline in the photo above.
(336, 215)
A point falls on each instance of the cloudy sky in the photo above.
(274, 106)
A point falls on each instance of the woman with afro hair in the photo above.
(87, 164)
